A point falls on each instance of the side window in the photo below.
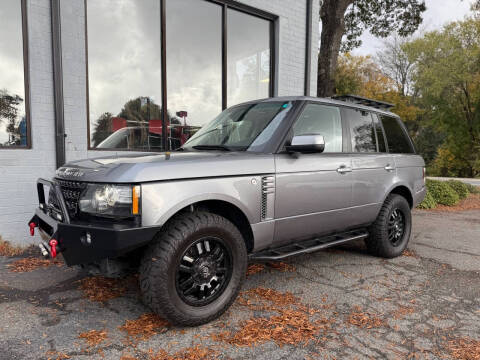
(362, 131)
(380, 137)
(322, 120)
(397, 138)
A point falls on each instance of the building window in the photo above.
(14, 119)
(248, 57)
(132, 105)
(124, 74)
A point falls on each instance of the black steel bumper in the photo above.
(82, 243)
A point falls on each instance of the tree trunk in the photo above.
(332, 15)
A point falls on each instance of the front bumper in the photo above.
(85, 242)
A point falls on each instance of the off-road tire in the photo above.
(378, 242)
(160, 260)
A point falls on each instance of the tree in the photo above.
(8, 106)
(447, 79)
(350, 18)
(103, 128)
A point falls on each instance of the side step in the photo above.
(308, 246)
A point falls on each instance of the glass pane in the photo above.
(321, 120)
(13, 121)
(124, 74)
(380, 138)
(194, 66)
(398, 141)
(237, 127)
(362, 132)
(248, 54)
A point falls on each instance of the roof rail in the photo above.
(364, 101)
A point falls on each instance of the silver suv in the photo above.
(264, 180)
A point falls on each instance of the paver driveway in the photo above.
(340, 303)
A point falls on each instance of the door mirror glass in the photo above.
(310, 143)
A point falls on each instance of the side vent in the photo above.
(268, 197)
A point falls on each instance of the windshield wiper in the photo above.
(211, 147)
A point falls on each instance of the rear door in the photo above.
(313, 191)
(373, 168)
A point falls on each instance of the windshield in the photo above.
(240, 127)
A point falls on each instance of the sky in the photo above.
(438, 13)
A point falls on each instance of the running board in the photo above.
(308, 246)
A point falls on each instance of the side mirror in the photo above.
(311, 143)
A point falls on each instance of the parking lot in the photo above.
(336, 304)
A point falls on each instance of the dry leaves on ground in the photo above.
(403, 311)
(464, 349)
(410, 253)
(291, 325)
(364, 319)
(254, 269)
(31, 263)
(281, 266)
(196, 352)
(145, 326)
(7, 249)
(93, 337)
(472, 202)
(101, 289)
(55, 355)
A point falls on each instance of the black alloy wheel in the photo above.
(205, 269)
(396, 227)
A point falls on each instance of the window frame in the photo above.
(404, 131)
(225, 4)
(26, 81)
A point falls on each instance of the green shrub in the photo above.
(428, 203)
(472, 189)
(442, 193)
(459, 187)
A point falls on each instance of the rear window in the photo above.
(397, 139)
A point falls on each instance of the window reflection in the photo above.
(194, 65)
(248, 57)
(13, 121)
(124, 74)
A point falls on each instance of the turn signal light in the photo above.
(135, 199)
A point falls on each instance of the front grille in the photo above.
(71, 191)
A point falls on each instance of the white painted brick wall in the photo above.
(20, 168)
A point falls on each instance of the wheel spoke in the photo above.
(199, 248)
(221, 270)
(190, 290)
(185, 269)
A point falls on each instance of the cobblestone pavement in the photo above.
(345, 305)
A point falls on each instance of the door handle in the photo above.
(389, 167)
(344, 169)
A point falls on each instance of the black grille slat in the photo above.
(71, 192)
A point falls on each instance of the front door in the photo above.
(313, 191)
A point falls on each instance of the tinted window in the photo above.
(13, 118)
(398, 141)
(362, 131)
(380, 137)
(248, 57)
(323, 120)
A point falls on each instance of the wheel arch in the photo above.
(402, 190)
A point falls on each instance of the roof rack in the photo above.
(364, 101)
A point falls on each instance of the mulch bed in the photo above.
(472, 202)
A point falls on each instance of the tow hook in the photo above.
(53, 248)
(32, 228)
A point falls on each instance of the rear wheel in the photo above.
(390, 233)
(194, 270)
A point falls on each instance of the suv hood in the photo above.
(137, 168)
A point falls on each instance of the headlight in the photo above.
(111, 200)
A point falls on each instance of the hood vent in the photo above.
(268, 197)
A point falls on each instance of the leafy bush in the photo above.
(428, 203)
(442, 193)
(472, 189)
(459, 187)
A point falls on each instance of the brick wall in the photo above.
(20, 168)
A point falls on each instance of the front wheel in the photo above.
(390, 233)
(194, 270)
